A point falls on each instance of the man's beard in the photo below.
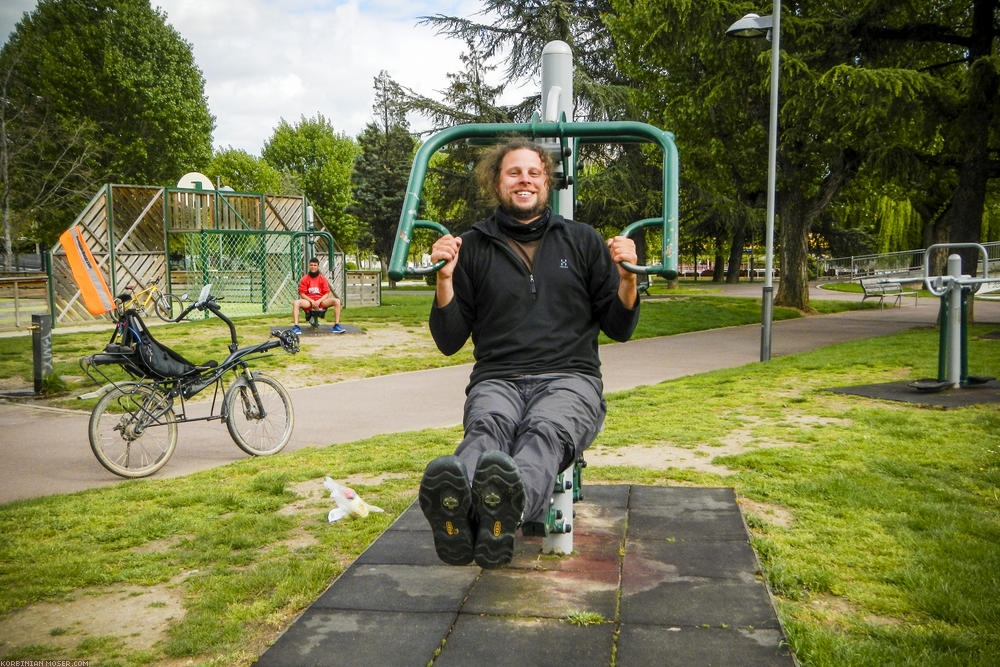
(524, 214)
(313, 274)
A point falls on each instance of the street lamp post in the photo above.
(751, 26)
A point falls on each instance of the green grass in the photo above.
(886, 552)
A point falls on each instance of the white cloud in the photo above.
(264, 60)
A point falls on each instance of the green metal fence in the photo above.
(255, 272)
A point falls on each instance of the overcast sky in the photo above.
(264, 60)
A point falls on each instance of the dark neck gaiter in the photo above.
(520, 231)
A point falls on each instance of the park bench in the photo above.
(881, 288)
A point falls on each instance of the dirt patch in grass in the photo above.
(666, 456)
(774, 514)
(383, 341)
(663, 456)
(136, 617)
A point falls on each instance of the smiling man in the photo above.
(533, 289)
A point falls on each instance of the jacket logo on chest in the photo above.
(563, 263)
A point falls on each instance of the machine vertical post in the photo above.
(955, 321)
(562, 503)
(557, 101)
(557, 104)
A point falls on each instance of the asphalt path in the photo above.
(46, 450)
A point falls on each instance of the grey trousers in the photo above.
(544, 422)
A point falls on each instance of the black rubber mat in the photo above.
(988, 392)
(666, 573)
(324, 329)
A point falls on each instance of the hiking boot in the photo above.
(446, 501)
(339, 329)
(498, 497)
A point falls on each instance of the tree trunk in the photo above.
(718, 271)
(964, 215)
(736, 254)
(793, 288)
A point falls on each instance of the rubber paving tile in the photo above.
(658, 576)
(961, 397)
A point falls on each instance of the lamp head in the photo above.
(751, 26)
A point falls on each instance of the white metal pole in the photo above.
(767, 299)
(557, 98)
(954, 350)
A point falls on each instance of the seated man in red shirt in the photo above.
(314, 293)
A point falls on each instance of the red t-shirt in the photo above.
(314, 288)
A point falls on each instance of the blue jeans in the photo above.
(544, 422)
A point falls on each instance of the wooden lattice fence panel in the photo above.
(140, 255)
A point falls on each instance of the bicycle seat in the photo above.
(142, 355)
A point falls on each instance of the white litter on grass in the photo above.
(349, 503)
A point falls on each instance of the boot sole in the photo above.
(498, 494)
(446, 503)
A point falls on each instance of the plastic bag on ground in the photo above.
(349, 503)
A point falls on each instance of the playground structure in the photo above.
(954, 289)
(562, 139)
(251, 247)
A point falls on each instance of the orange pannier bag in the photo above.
(96, 295)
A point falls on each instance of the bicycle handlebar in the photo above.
(289, 340)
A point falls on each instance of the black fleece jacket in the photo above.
(539, 321)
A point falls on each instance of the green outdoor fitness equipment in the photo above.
(954, 290)
(568, 136)
(562, 140)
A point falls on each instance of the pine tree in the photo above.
(382, 169)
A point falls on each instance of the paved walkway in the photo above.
(46, 450)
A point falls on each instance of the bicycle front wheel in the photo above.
(259, 415)
(133, 429)
(168, 307)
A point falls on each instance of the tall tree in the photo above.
(119, 65)
(35, 192)
(518, 31)
(382, 168)
(878, 100)
(244, 172)
(322, 158)
(118, 84)
(933, 70)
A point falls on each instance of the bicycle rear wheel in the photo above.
(133, 429)
(168, 307)
(257, 432)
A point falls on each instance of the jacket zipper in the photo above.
(532, 290)
(522, 262)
